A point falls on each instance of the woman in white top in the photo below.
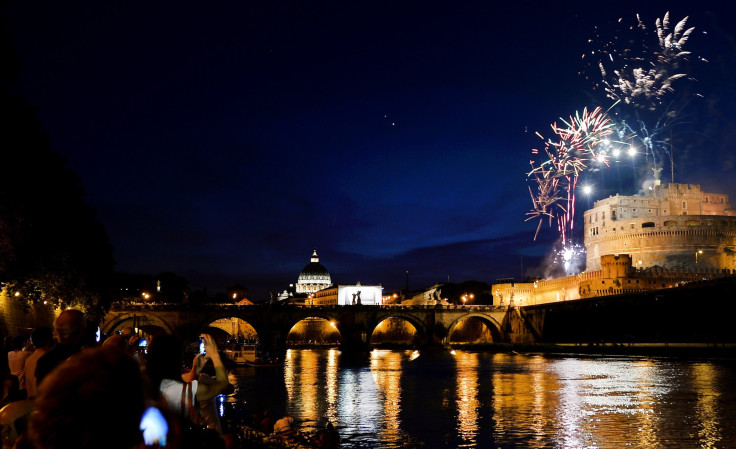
(164, 363)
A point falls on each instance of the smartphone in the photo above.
(143, 342)
(154, 427)
(201, 346)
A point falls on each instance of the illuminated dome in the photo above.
(314, 277)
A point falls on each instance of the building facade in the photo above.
(346, 295)
(674, 226)
(674, 234)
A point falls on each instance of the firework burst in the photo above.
(639, 70)
(582, 140)
(643, 71)
(646, 72)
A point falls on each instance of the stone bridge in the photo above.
(697, 312)
(433, 324)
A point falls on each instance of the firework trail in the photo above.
(582, 140)
(638, 69)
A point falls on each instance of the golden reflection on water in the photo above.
(333, 357)
(467, 395)
(529, 401)
(521, 398)
(646, 394)
(386, 372)
(301, 375)
(707, 409)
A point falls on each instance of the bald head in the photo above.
(69, 327)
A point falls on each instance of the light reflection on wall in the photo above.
(386, 371)
(471, 330)
(313, 330)
(236, 328)
(394, 330)
(467, 395)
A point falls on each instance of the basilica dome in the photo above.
(314, 276)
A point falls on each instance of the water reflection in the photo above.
(333, 356)
(707, 407)
(467, 396)
(478, 400)
(386, 371)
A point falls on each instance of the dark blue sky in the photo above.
(226, 142)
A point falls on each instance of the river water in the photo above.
(397, 398)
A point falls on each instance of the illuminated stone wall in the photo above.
(17, 320)
(617, 276)
(674, 226)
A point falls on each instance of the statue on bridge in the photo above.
(356, 298)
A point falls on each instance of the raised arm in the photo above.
(205, 392)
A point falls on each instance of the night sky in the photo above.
(225, 142)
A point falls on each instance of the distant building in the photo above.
(345, 295)
(314, 277)
(429, 297)
(238, 294)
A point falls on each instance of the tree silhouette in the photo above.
(51, 247)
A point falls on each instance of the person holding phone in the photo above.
(164, 361)
(202, 372)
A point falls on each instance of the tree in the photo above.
(51, 246)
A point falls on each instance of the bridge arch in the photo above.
(314, 330)
(421, 331)
(135, 320)
(394, 330)
(236, 328)
(497, 334)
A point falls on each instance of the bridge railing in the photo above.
(143, 306)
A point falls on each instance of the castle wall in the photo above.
(616, 277)
(673, 226)
(539, 292)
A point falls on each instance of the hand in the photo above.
(200, 360)
(209, 344)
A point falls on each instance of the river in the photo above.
(398, 398)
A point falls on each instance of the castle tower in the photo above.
(671, 226)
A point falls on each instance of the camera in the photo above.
(201, 346)
(143, 343)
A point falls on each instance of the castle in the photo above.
(670, 235)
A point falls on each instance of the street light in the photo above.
(467, 296)
(700, 251)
